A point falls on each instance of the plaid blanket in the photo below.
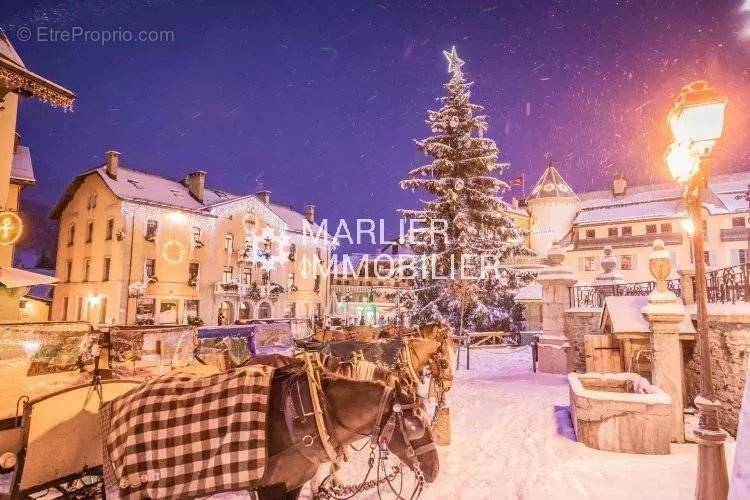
(185, 436)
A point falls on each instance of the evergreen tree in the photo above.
(464, 200)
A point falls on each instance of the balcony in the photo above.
(734, 234)
(230, 288)
(638, 240)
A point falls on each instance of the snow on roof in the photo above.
(661, 200)
(531, 292)
(22, 169)
(11, 277)
(551, 185)
(625, 316)
(635, 211)
(8, 51)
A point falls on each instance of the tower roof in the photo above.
(551, 185)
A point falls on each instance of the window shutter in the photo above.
(734, 256)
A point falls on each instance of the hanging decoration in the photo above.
(173, 251)
(11, 228)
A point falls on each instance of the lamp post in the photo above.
(697, 121)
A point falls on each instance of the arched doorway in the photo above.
(264, 310)
(246, 310)
(226, 313)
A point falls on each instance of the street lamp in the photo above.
(697, 122)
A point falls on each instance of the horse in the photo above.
(350, 410)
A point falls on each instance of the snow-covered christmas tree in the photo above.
(464, 200)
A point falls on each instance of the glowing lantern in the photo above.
(11, 227)
(697, 117)
(688, 226)
(682, 162)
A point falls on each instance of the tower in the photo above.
(553, 205)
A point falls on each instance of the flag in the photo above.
(518, 181)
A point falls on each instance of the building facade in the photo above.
(16, 173)
(139, 248)
(630, 218)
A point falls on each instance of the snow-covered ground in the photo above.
(513, 439)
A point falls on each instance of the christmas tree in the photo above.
(466, 239)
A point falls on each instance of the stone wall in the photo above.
(730, 347)
(576, 324)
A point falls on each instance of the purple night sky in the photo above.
(321, 100)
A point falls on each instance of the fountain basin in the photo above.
(620, 412)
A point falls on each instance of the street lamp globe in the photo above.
(697, 117)
(682, 162)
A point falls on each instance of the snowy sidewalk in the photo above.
(512, 439)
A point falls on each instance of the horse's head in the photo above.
(366, 408)
(441, 365)
(406, 431)
(421, 352)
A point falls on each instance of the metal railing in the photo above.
(638, 240)
(593, 296)
(728, 285)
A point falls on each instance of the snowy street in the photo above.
(512, 438)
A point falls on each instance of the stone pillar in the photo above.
(556, 280)
(665, 312)
(610, 276)
(686, 284)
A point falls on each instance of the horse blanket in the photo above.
(185, 436)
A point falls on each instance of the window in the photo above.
(89, 231)
(192, 308)
(228, 243)
(105, 269)
(707, 257)
(290, 281)
(247, 276)
(266, 278)
(590, 233)
(110, 229)
(150, 268)
(197, 235)
(151, 227)
(626, 231)
(292, 252)
(650, 228)
(704, 224)
(612, 232)
(226, 276)
(68, 270)
(86, 269)
(264, 310)
(71, 234)
(91, 202)
(589, 263)
(193, 271)
(65, 309)
(103, 310)
(627, 262)
(738, 222)
(79, 309)
(666, 227)
(738, 256)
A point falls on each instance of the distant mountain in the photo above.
(39, 236)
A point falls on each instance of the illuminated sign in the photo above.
(11, 227)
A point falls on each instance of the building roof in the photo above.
(15, 76)
(142, 187)
(551, 185)
(659, 201)
(625, 315)
(22, 170)
(10, 277)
